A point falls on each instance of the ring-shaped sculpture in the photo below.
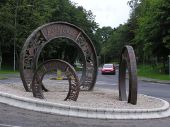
(128, 60)
(51, 66)
(46, 33)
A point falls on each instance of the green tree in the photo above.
(68, 12)
(102, 35)
(119, 38)
(151, 31)
(30, 14)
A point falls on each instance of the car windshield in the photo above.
(108, 66)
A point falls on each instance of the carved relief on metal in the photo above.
(60, 30)
(128, 60)
(91, 64)
(54, 65)
(28, 56)
(43, 35)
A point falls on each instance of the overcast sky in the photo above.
(107, 12)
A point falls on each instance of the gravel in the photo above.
(98, 98)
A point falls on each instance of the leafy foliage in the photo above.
(18, 18)
(147, 30)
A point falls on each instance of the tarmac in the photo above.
(97, 104)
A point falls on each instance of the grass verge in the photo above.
(8, 72)
(150, 72)
(4, 72)
(3, 78)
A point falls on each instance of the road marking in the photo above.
(6, 125)
(105, 83)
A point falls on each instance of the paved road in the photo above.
(148, 88)
(15, 117)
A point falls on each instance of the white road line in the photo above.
(6, 125)
(105, 83)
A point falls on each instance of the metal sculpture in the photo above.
(54, 65)
(46, 33)
(128, 61)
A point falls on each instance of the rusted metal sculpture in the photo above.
(45, 34)
(128, 61)
(51, 66)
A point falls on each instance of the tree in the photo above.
(68, 12)
(30, 14)
(102, 35)
(151, 31)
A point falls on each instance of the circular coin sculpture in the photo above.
(45, 34)
(54, 65)
(128, 60)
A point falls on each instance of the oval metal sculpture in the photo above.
(46, 33)
(128, 60)
(55, 65)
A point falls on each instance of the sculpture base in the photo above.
(100, 103)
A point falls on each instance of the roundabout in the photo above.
(47, 96)
(101, 103)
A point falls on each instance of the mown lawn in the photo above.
(150, 72)
(4, 72)
(8, 72)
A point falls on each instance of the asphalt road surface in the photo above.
(148, 88)
(15, 117)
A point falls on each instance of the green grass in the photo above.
(3, 78)
(150, 72)
(4, 72)
(8, 72)
(78, 69)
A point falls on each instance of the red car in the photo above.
(108, 69)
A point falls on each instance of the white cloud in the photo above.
(107, 12)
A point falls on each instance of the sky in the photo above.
(108, 12)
